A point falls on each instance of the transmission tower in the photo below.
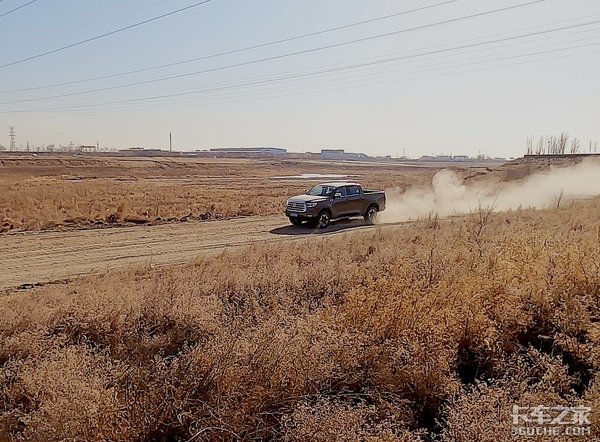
(12, 135)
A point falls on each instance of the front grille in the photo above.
(296, 206)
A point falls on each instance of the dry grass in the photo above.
(428, 331)
(59, 193)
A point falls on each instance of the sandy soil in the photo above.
(31, 258)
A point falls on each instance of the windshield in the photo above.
(321, 191)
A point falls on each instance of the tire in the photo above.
(323, 219)
(296, 221)
(371, 214)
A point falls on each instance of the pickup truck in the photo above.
(337, 199)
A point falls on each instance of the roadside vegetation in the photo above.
(63, 193)
(420, 332)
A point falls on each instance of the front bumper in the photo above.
(304, 216)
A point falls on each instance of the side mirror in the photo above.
(337, 195)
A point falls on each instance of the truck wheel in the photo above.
(296, 221)
(371, 215)
(323, 219)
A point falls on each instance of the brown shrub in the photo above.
(403, 333)
(57, 193)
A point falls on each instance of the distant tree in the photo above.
(541, 147)
(562, 143)
(558, 145)
(575, 145)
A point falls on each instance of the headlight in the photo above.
(311, 204)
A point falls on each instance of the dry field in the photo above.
(425, 331)
(49, 193)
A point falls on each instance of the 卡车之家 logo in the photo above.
(541, 420)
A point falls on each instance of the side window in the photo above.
(353, 190)
(342, 191)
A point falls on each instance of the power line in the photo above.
(137, 100)
(74, 30)
(301, 52)
(328, 72)
(260, 83)
(419, 69)
(446, 65)
(235, 51)
(421, 54)
(304, 92)
(17, 8)
(106, 34)
(274, 76)
(370, 77)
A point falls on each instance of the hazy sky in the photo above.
(445, 88)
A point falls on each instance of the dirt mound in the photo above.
(520, 168)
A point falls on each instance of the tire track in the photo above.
(42, 257)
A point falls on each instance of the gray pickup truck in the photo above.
(337, 199)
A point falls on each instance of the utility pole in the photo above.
(12, 135)
(97, 145)
(170, 142)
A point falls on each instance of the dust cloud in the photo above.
(448, 194)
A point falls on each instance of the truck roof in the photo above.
(339, 183)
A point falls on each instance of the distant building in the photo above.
(250, 150)
(140, 151)
(460, 158)
(339, 154)
(446, 158)
(332, 154)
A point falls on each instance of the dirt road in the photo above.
(40, 257)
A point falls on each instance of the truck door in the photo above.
(341, 203)
(355, 205)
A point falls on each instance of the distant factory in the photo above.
(249, 151)
(457, 158)
(279, 152)
(339, 154)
